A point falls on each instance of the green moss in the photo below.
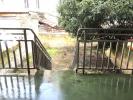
(52, 51)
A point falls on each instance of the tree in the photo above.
(75, 14)
(68, 10)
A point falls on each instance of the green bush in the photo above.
(76, 14)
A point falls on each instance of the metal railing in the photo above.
(104, 49)
(20, 48)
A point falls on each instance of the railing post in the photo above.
(77, 55)
(2, 58)
(8, 55)
(84, 53)
(33, 54)
(26, 49)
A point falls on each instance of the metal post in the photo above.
(77, 56)
(84, 55)
(26, 49)
(2, 58)
(8, 55)
(33, 54)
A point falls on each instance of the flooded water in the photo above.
(65, 85)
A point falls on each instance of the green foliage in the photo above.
(68, 10)
(95, 13)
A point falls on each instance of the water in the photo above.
(66, 85)
(97, 87)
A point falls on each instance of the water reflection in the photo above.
(16, 87)
(22, 87)
(42, 87)
(97, 87)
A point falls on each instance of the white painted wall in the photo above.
(9, 22)
(22, 21)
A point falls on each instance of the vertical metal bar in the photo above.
(117, 45)
(15, 61)
(20, 54)
(84, 57)
(2, 59)
(33, 54)
(122, 54)
(103, 54)
(78, 44)
(8, 56)
(26, 49)
(129, 53)
(97, 54)
(90, 54)
(108, 64)
(37, 57)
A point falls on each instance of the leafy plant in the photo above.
(75, 14)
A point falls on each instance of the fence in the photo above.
(20, 48)
(104, 49)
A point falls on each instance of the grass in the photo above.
(57, 40)
(64, 39)
(53, 51)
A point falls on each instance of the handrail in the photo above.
(35, 38)
(105, 30)
(40, 44)
(110, 31)
(36, 46)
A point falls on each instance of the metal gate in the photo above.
(104, 49)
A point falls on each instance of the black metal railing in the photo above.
(104, 49)
(20, 48)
